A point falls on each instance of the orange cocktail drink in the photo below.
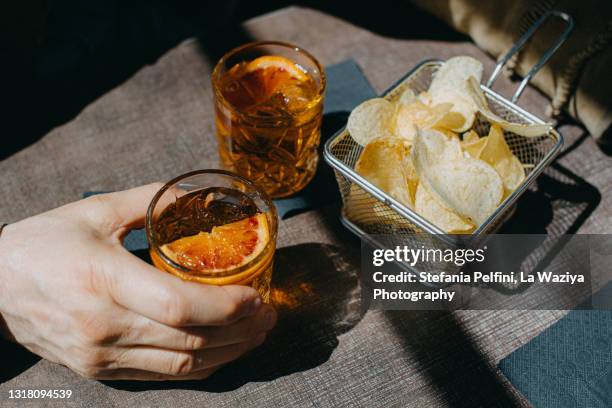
(268, 107)
(214, 227)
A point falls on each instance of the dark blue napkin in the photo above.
(570, 363)
(347, 87)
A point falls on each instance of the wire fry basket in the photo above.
(367, 210)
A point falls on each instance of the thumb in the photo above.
(120, 210)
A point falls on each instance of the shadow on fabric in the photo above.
(449, 358)
(317, 294)
(558, 206)
(560, 203)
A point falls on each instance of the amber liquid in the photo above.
(269, 139)
(200, 211)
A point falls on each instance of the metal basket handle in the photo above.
(569, 26)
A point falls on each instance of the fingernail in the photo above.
(269, 319)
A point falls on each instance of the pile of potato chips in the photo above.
(422, 150)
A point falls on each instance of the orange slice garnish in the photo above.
(251, 83)
(276, 65)
(224, 248)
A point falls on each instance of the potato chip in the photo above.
(425, 116)
(452, 121)
(469, 186)
(449, 86)
(470, 136)
(404, 127)
(464, 110)
(496, 149)
(411, 176)
(453, 149)
(363, 208)
(383, 164)
(527, 130)
(431, 209)
(417, 115)
(370, 120)
(407, 97)
(425, 97)
(498, 154)
(512, 173)
(474, 147)
(448, 133)
(453, 73)
(439, 146)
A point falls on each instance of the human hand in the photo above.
(72, 294)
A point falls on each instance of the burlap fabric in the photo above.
(159, 124)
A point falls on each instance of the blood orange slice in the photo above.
(224, 248)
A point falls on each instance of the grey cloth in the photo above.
(159, 123)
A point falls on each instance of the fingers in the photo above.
(182, 363)
(133, 374)
(120, 210)
(146, 332)
(140, 287)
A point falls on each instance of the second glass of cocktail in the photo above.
(214, 227)
(268, 106)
